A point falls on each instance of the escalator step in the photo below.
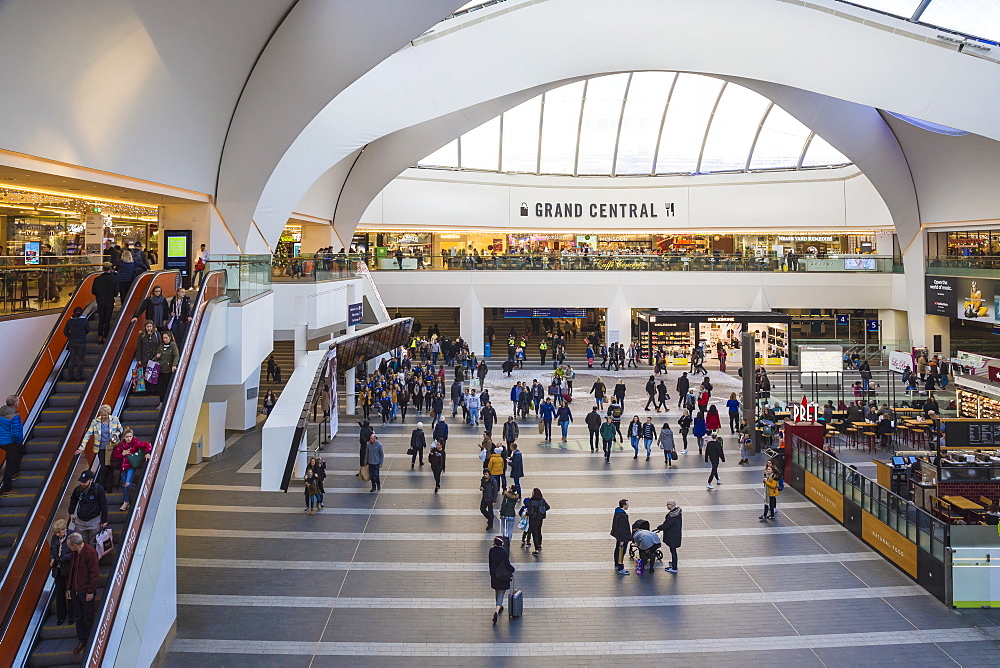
(142, 400)
(50, 415)
(50, 630)
(132, 415)
(14, 517)
(56, 652)
(70, 387)
(20, 497)
(34, 462)
(63, 401)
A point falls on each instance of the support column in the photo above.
(350, 375)
(922, 327)
(471, 323)
(619, 320)
(301, 330)
(211, 429)
(895, 332)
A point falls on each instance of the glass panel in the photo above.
(904, 8)
(601, 112)
(647, 96)
(560, 123)
(481, 146)
(446, 156)
(520, 136)
(684, 128)
(973, 17)
(733, 128)
(780, 142)
(820, 153)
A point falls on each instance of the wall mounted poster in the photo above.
(977, 300)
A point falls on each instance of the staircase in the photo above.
(445, 318)
(284, 357)
(576, 350)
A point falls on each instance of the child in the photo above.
(523, 524)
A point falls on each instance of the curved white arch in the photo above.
(566, 39)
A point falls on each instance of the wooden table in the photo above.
(908, 410)
(962, 503)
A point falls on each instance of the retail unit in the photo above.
(678, 332)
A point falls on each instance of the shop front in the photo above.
(677, 332)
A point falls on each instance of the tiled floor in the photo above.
(398, 578)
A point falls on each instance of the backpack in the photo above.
(616, 412)
(781, 484)
(689, 402)
(767, 429)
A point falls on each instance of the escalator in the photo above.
(61, 415)
(44, 440)
(43, 642)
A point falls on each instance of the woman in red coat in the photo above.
(712, 421)
(128, 446)
(703, 398)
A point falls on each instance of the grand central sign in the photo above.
(599, 210)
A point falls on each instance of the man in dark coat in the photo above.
(104, 289)
(366, 433)
(488, 415)
(417, 443)
(714, 454)
(501, 573)
(594, 422)
(683, 385)
(671, 529)
(622, 532)
(75, 332)
(619, 393)
(490, 489)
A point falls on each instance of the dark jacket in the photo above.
(510, 431)
(683, 385)
(155, 310)
(147, 346)
(76, 330)
(648, 430)
(498, 558)
(620, 527)
(516, 465)
(671, 528)
(564, 414)
(593, 421)
(105, 287)
(490, 489)
(89, 502)
(436, 458)
(84, 571)
(713, 451)
(620, 391)
(125, 271)
(366, 433)
(537, 508)
(60, 553)
(488, 414)
(417, 439)
(441, 431)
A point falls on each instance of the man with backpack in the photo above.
(622, 532)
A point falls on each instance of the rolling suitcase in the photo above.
(515, 604)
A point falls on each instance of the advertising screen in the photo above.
(976, 300)
(31, 251)
(941, 296)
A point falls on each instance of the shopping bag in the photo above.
(522, 524)
(364, 475)
(105, 543)
(153, 372)
(541, 427)
(137, 461)
(138, 381)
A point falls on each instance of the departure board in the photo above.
(972, 433)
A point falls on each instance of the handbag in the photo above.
(541, 427)
(105, 543)
(673, 454)
(137, 461)
(364, 474)
(153, 372)
(504, 572)
(411, 451)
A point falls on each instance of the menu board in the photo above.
(972, 433)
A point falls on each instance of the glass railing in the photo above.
(246, 275)
(316, 267)
(959, 265)
(47, 285)
(596, 262)
(923, 529)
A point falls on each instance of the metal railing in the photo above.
(960, 265)
(246, 275)
(928, 533)
(316, 267)
(666, 262)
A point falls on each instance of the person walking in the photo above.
(489, 488)
(88, 507)
(12, 442)
(418, 441)
(104, 289)
(662, 396)
(671, 528)
(501, 573)
(364, 436)
(61, 564)
(634, 431)
(488, 415)
(593, 421)
(564, 416)
(666, 441)
(510, 431)
(508, 513)
(598, 389)
(650, 392)
(516, 463)
(538, 507)
(374, 457)
(684, 423)
(496, 464)
(621, 530)
(733, 404)
(84, 575)
(713, 422)
(772, 489)
(75, 332)
(269, 377)
(648, 435)
(699, 430)
(683, 385)
(616, 411)
(619, 393)
(608, 431)
(714, 454)
(436, 458)
(441, 433)
(547, 412)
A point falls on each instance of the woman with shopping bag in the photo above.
(132, 455)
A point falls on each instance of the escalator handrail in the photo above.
(24, 564)
(212, 288)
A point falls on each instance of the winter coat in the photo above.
(441, 431)
(771, 485)
(608, 431)
(712, 421)
(499, 557)
(133, 446)
(417, 439)
(593, 421)
(699, 429)
(75, 330)
(11, 429)
(564, 415)
(436, 458)
(666, 440)
(489, 488)
(671, 528)
(510, 431)
(516, 465)
(508, 504)
(495, 464)
(713, 451)
(620, 527)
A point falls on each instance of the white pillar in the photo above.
(301, 329)
(211, 429)
(471, 323)
(914, 274)
(895, 334)
(619, 320)
(350, 375)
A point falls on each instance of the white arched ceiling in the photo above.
(791, 45)
(319, 49)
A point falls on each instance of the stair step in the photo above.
(14, 517)
(55, 652)
(35, 461)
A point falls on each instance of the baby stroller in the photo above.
(647, 544)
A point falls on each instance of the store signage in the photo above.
(600, 210)
(893, 545)
(720, 319)
(972, 433)
(873, 325)
(940, 296)
(829, 239)
(545, 313)
(355, 313)
(825, 497)
(843, 319)
(178, 255)
(899, 361)
(618, 264)
(800, 413)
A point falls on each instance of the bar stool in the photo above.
(852, 437)
(902, 434)
(869, 440)
(918, 436)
